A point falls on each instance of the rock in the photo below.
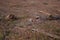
(37, 17)
(10, 17)
(30, 20)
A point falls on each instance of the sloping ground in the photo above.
(28, 26)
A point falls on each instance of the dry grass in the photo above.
(25, 9)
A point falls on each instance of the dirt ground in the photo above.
(31, 23)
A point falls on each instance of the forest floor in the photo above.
(32, 22)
